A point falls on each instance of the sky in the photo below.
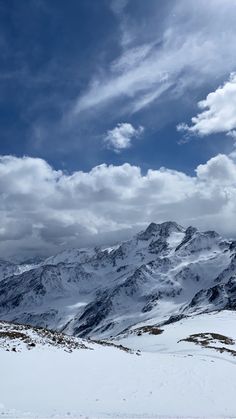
(114, 114)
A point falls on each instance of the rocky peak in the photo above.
(161, 230)
(190, 231)
(169, 227)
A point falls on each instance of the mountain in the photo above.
(160, 275)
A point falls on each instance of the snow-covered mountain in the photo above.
(158, 276)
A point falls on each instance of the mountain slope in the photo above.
(160, 274)
(173, 376)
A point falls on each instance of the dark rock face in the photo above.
(150, 231)
(152, 301)
(93, 315)
(220, 297)
(158, 246)
(189, 233)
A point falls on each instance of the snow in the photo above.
(223, 322)
(175, 239)
(26, 267)
(168, 379)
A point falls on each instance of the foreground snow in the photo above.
(167, 379)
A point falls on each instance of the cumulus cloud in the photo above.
(218, 112)
(174, 46)
(44, 210)
(120, 137)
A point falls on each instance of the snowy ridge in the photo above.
(17, 338)
(160, 275)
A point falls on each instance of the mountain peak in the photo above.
(162, 229)
(152, 227)
(170, 226)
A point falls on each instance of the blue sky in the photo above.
(86, 82)
(53, 50)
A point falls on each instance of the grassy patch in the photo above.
(210, 340)
(151, 330)
(106, 343)
(8, 334)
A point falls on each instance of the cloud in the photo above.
(44, 210)
(218, 169)
(218, 112)
(120, 137)
(117, 6)
(170, 48)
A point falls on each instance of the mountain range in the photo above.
(160, 275)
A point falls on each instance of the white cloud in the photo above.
(218, 169)
(192, 43)
(218, 112)
(120, 137)
(43, 210)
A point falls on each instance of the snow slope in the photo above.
(162, 273)
(168, 379)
